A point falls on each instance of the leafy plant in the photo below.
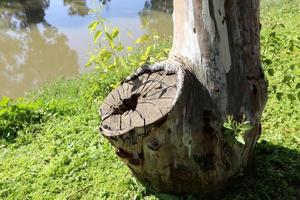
(281, 58)
(236, 128)
(113, 61)
(111, 58)
(17, 115)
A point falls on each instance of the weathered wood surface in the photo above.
(179, 148)
(138, 103)
(175, 140)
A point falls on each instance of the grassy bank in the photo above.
(50, 147)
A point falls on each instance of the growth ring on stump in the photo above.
(138, 103)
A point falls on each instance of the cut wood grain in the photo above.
(138, 103)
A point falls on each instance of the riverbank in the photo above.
(50, 147)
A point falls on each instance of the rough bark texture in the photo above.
(167, 120)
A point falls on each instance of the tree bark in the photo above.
(167, 120)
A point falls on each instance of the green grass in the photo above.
(56, 151)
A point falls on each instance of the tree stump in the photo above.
(167, 120)
(137, 103)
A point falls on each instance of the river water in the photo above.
(42, 40)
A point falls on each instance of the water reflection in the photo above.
(160, 5)
(103, 2)
(77, 7)
(41, 40)
(154, 18)
(19, 14)
(30, 49)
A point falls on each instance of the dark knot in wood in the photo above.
(154, 144)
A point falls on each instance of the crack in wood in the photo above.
(145, 83)
(152, 81)
(163, 77)
(123, 108)
(160, 90)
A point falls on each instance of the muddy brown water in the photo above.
(42, 40)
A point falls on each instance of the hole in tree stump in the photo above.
(127, 105)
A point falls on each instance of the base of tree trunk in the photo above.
(189, 124)
(166, 129)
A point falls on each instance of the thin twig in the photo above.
(78, 191)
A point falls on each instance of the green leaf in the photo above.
(112, 44)
(291, 97)
(108, 36)
(271, 72)
(279, 95)
(89, 63)
(292, 67)
(129, 48)
(240, 138)
(123, 63)
(104, 54)
(144, 58)
(267, 61)
(273, 34)
(4, 101)
(246, 127)
(115, 33)
(142, 39)
(286, 79)
(148, 50)
(92, 26)
(97, 35)
(119, 48)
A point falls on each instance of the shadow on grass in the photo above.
(275, 175)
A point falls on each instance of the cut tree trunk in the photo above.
(167, 120)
